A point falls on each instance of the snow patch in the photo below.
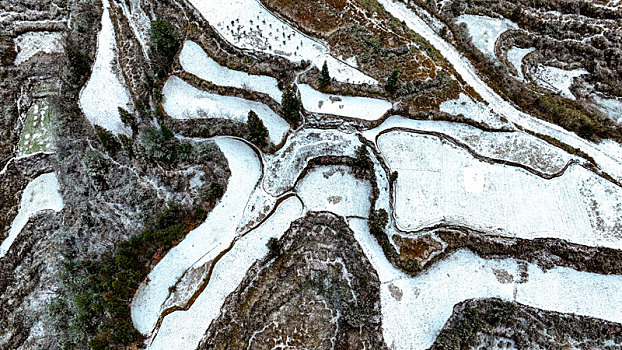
(31, 43)
(105, 91)
(184, 101)
(335, 189)
(515, 57)
(195, 60)
(476, 111)
(42, 193)
(610, 106)
(557, 79)
(346, 106)
(485, 31)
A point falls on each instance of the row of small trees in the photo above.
(391, 86)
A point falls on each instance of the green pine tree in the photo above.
(257, 131)
(393, 82)
(291, 106)
(324, 77)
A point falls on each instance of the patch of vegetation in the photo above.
(165, 42)
(96, 293)
(96, 167)
(393, 177)
(79, 65)
(161, 145)
(257, 131)
(377, 222)
(463, 334)
(128, 119)
(392, 82)
(108, 140)
(128, 145)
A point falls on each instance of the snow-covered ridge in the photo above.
(346, 106)
(184, 101)
(106, 89)
(42, 193)
(557, 79)
(195, 60)
(248, 24)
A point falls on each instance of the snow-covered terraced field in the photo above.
(42, 193)
(468, 73)
(184, 329)
(106, 91)
(184, 101)
(485, 31)
(195, 60)
(283, 168)
(557, 79)
(31, 43)
(346, 106)
(414, 310)
(209, 239)
(440, 182)
(247, 24)
(515, 56)
(335, 189)
(517, 147)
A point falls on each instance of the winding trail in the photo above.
(399, 10)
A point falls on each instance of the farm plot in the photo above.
(42, 193)
(209, 239)
(335, 189)
(517, 147)
(440, 182)
(473, 110)
(247, 24)
(346, 106)
(184, 101)
(414, 310)
(39, 129)
(102, 108)
(184, 329)
(195, 60)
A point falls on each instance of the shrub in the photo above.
(128, 119)
(257, 132)
(274, 246)
(164, 45)
(393, 177)
(393, 82)
(378, 220)
(363, 160)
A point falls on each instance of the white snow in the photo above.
(42, 193)
(485, 31)
(477, 111)
(105, 91)
(346, 106)
(184, 101)
(249, 25)
(139, 22)
(335, 189)
(557, 79)
(464, 68)
(31, 43)
(610, 106)
(440, 182)
(515, 57)
(210, 238)
(195, 60)
(414, 321)
(184, 329)
(516, 146)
